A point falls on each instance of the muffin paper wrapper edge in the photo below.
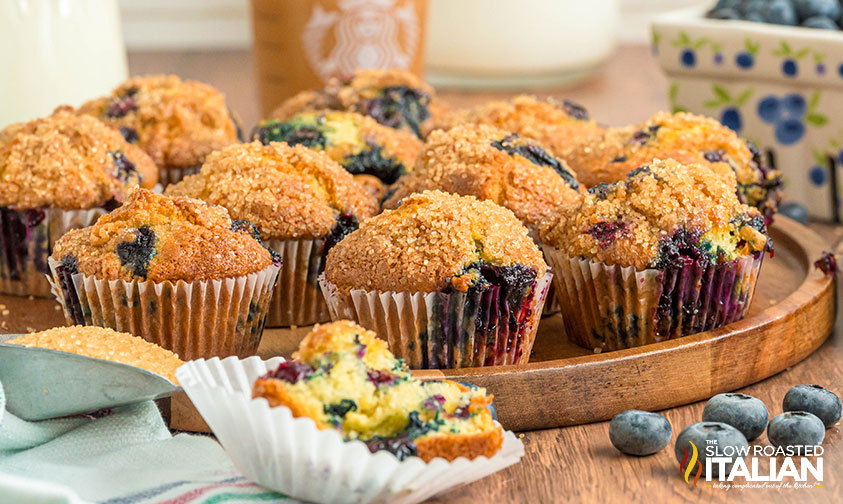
(25, 248)
(171, 174)
(614, 307)
(290, 455)
(203, 318)
(439, 330)
(298, 299)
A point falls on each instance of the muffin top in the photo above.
(106, 344)
(688, 138)
(433, 241)
(69, 162)
(558, 124)
(357, 142)
(394, 98)
(176, 122)
(662, 215)
(287, 192)
(160, 238)
(491, 164)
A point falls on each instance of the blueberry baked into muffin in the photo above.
(177, 122)
(58, 173)
(557, 124)
(176, 271)
(450, 281)
(343, 377)
(358, 143)
(668, 251)
(301, 202)
(395, 98)
(491, 164)
(687, 138)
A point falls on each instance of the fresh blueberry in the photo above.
(688, 57)
(743, 412)
(637, 432)
(728, 4)
(816, 400)
(756, 7)
(820, 22)
(755, 17)
(704, 434)
(790, 68)
(795, 105)
(780, 12)
(769, 109)
(794, 210)
(731, 118)
(725, 13)
(790, 131)
(745, 60)
(795, 430)
(812, 8)
(817, 175)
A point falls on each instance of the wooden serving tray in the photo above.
(792, 314)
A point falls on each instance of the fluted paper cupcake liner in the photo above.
(203, 318)
(298, 299)
(290, 455)
(614, 307)
(26, 241)
(440, 330)
(172, 174)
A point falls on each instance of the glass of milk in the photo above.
(508, 44)
(57, 52)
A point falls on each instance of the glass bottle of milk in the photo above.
(57, 52)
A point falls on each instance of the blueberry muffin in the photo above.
(57, 173)
(175, 271)
(557, 124)
(105, 344)
(491, 164)
(176, 122)
(395, 98)
(668, 251)
(687, 138)
(358, 143)
(450, 281)
(302, 203)
(343, 377)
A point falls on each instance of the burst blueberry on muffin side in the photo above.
(343, 377)
(475, 259)
(358, 143)
(681, 221)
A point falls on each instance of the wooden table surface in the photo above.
(579, 464)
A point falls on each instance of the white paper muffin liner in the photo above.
(290, 455)
(298, 299)
(614, 307)
(25, 245)
(203, 318)
(446, 330)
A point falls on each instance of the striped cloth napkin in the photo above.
(126, 457)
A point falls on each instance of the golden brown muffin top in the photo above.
(355, 141)
(660, 214)
(686, 137)
(394, 97)
(176, 122)
(287, 192)
(558, 124)
(491, 164)
(106, 344)
(160, 238)
(68, 161)
(429, 243)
